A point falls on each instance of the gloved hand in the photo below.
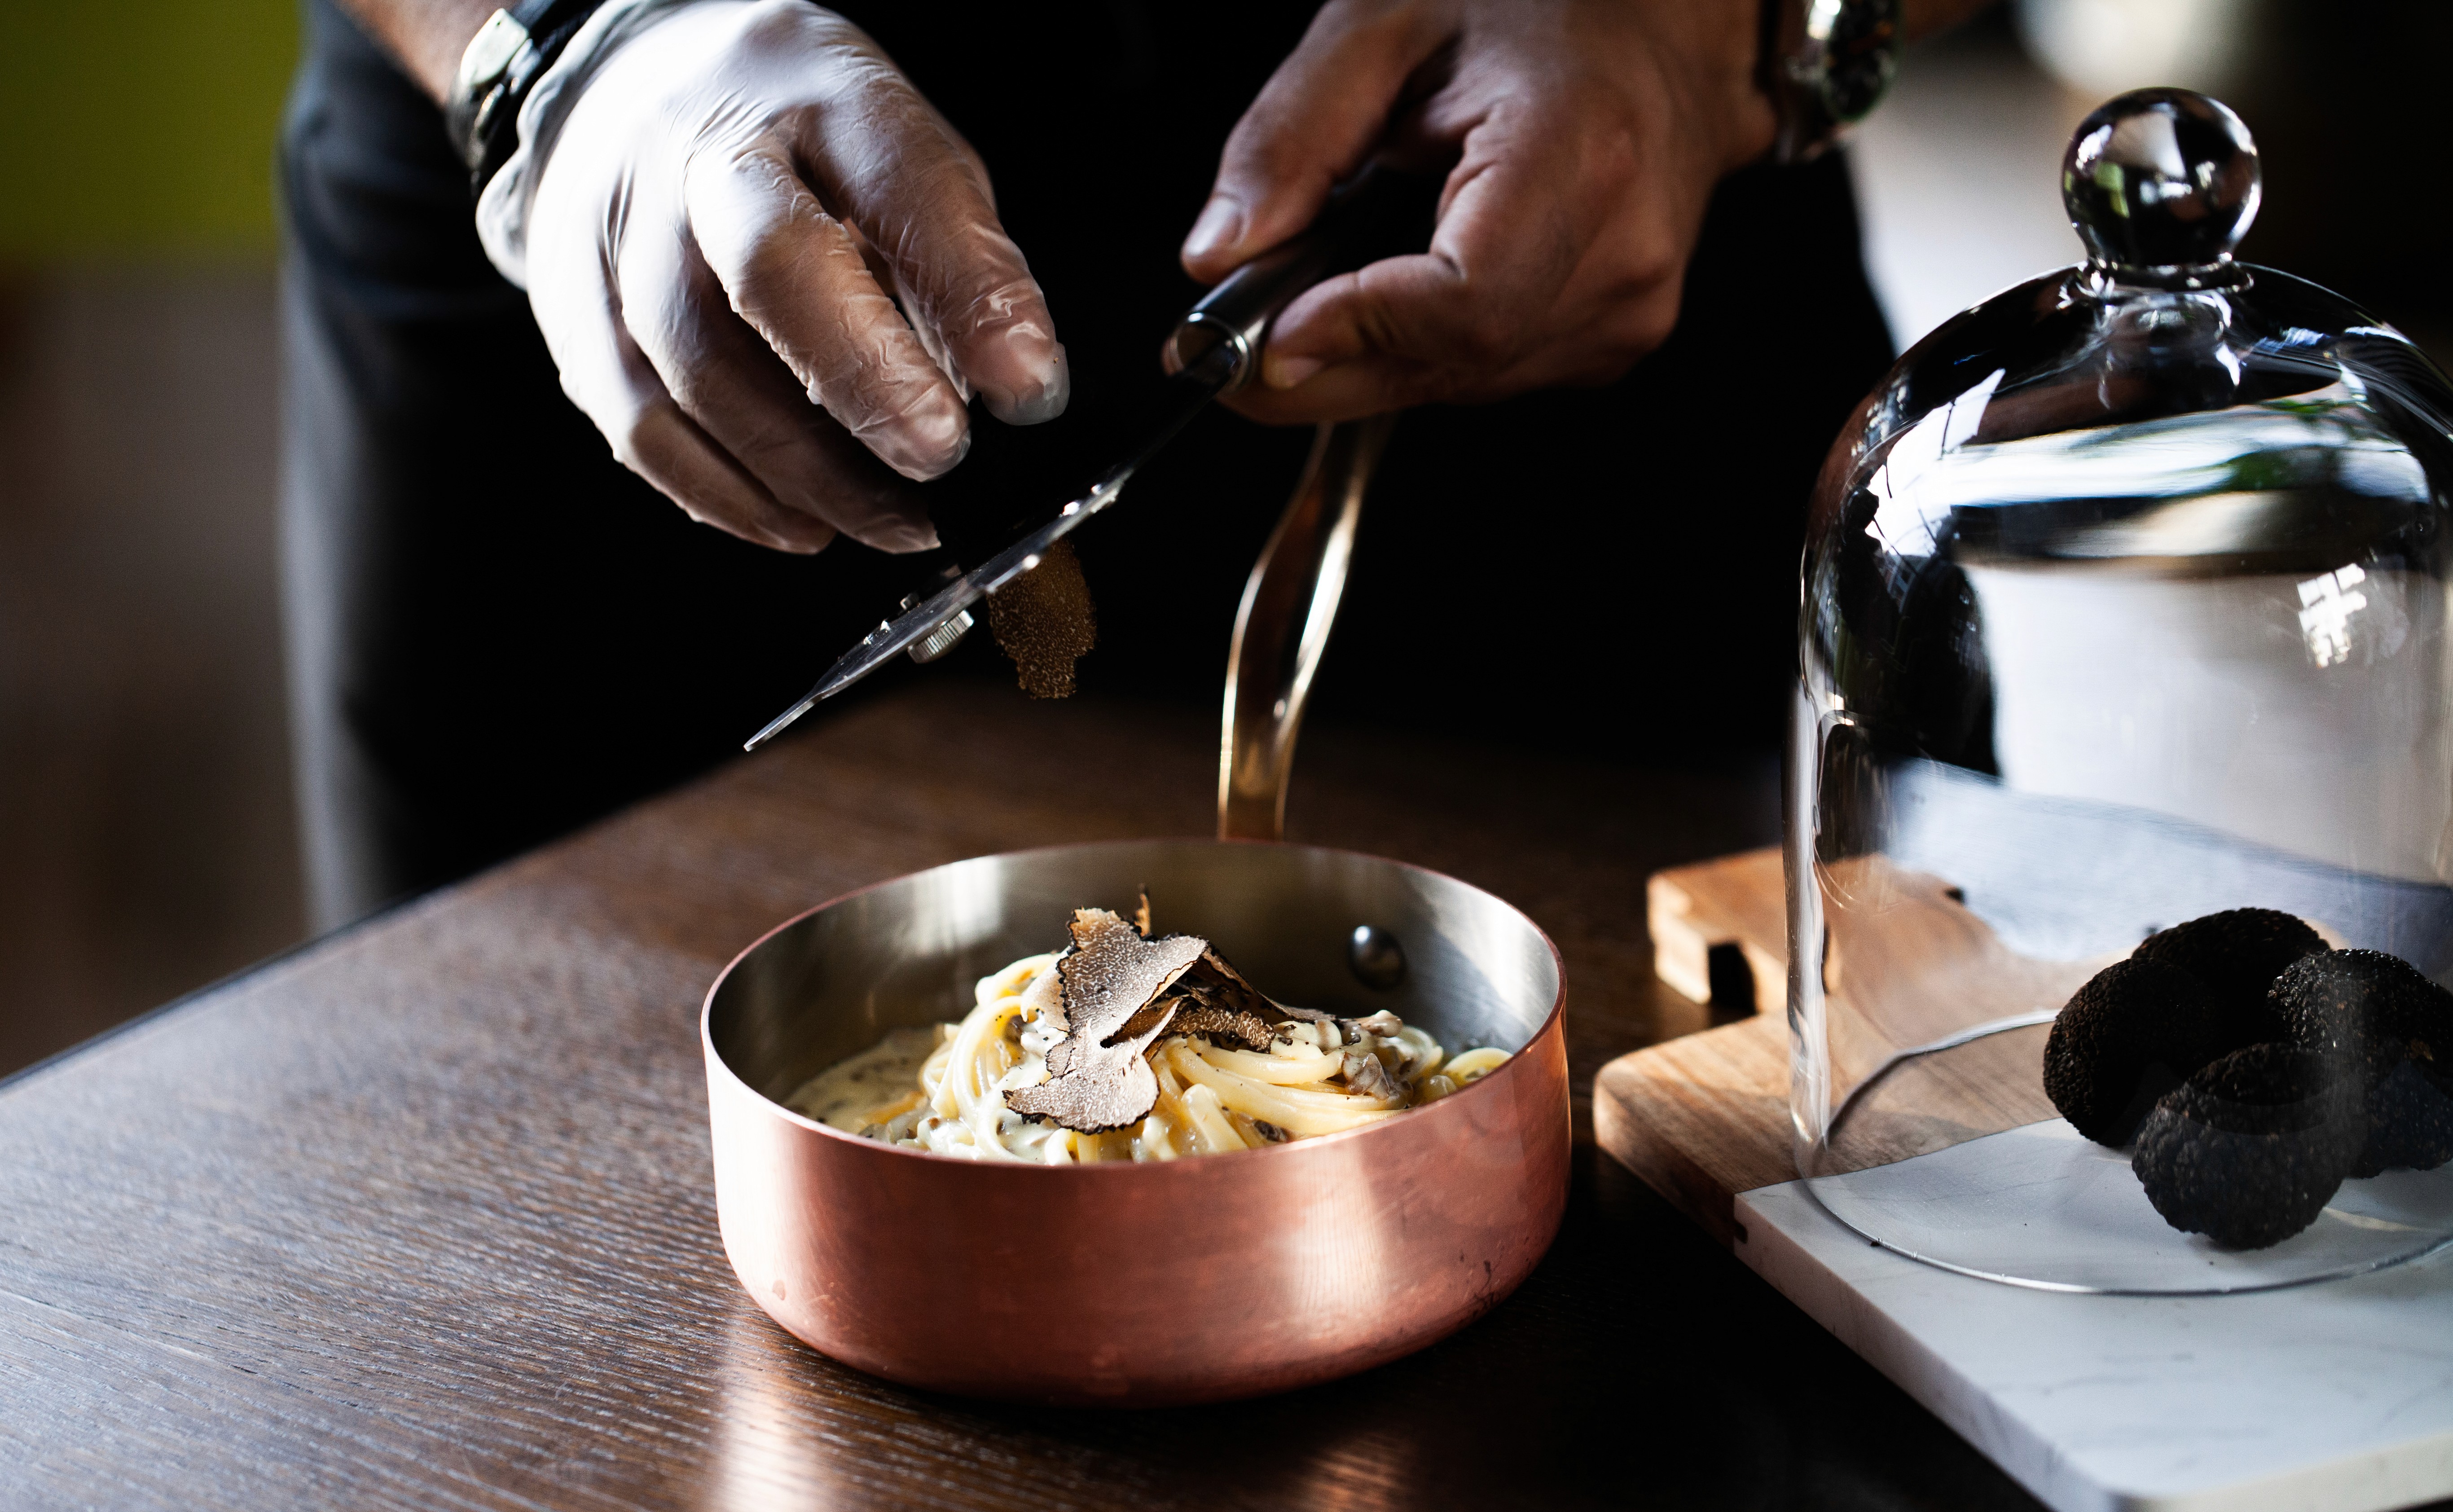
(1585, 138)
(719, 234)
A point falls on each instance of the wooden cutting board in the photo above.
(2334, 1396)
(1704, 1117)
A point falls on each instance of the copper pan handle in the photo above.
(1289, 604)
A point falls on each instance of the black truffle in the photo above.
(2419, 1021)
(2410, 1122)
(2251, 1148)
(2134, 1031)
(2373, 1009)
(2358, 1010)
(2236, 955)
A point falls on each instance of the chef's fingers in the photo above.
(673, 454)
(1522, 287)
(727, 380)
(1375, 379)
(1312, 126)
(1349, 390)
(792, 273)
(882, 158)
(614, 384)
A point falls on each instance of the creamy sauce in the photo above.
(873, 1086)
(941, 1087)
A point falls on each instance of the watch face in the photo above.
(490, 51)
(1860, 49)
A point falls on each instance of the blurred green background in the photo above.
(142, 129)
(146, 841)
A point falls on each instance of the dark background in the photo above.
(147, 841)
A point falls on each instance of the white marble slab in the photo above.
(2335, 1397)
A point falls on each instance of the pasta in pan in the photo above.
(947, 1088)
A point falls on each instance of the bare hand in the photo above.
(1585, 138)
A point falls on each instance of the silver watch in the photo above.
(1826, 63)
(506, 57)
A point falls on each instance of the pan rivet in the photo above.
(1377, 959)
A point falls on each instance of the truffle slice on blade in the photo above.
(1043, 620)
(2252, 1148)
(1096, 1077)
(2236, 955)
(2134, 1031)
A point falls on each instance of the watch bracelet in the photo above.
(483, 116)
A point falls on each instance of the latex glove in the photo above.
(1585, 138)
(719, 234)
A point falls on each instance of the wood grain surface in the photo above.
(420, 1216)
(1704, 1117)
(1728, 904)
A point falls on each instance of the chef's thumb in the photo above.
(1312, 126)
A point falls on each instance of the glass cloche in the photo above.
(2120, 820)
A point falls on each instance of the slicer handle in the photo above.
(1377, 212)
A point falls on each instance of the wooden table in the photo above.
(420, 1215)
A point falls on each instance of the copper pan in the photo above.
(1140, 1284)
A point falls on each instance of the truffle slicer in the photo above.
(1214, 349)
(1186, 393)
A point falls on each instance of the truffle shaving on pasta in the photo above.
(1130, 1046)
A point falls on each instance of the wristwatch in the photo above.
(1826, 63)
(503, 61)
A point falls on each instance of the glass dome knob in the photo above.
(2162, 183)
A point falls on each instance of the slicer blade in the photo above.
(1184, 395)
(899, 634)
(1214, 349)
